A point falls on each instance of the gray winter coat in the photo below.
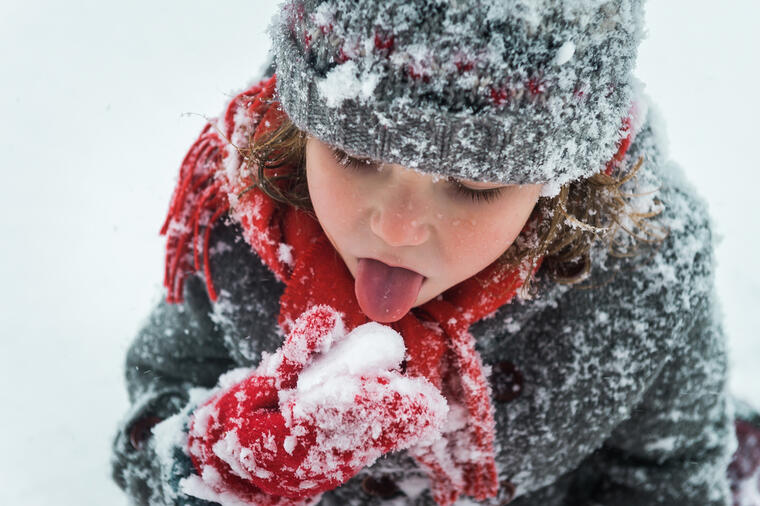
(608, 396)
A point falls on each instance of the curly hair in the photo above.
(569, 223)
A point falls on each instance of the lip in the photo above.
(394, 264)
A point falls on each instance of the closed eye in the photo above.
(352, 162)
(484, 195)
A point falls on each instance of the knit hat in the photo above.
(510, 91)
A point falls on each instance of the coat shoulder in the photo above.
(674, 275)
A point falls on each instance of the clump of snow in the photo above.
(550, 189)
(345, 82)
(290, 444)
(285, 253)
(565, 53)
(194, 486)
(369, 349)
(230, 451)
(233, 376)
(413, 486)
(324, 14)
(169, 433)
(313, 332)
(664, 445)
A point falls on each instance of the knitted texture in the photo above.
(508, 91)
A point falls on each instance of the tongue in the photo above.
(385, 293)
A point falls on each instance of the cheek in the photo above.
(335, 199)
(476, 238)
(480, 236)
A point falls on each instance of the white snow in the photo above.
(550, 190)
(346, 82)
(413, 486)
(96, 121)
(196, 487)
(289, 444)
(367, 350)
(565, 53)
(285, 253)
(665, 445)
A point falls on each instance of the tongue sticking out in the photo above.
(385, 293)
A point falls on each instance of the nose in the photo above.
(400, 217)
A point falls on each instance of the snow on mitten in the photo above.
(313, 414)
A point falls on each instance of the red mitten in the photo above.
(313, 414)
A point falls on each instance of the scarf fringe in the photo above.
(201, 196)
(481, 480)
(197, 204)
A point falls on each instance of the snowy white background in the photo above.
(99, 101)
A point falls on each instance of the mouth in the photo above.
(392, 263)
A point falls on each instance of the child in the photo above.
(484, 180)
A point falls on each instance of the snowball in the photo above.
(368, 350)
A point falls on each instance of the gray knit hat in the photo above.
(511, 91)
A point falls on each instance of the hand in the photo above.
(314, 413)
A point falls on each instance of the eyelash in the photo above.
(476, 195)
(348, 161)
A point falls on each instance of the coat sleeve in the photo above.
(178, 348)
(676, 446)
(182, 347)
(179, 353)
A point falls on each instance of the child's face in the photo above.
(413, 220)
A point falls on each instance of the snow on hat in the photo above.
(510, 91)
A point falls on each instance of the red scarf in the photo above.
(293, 246)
